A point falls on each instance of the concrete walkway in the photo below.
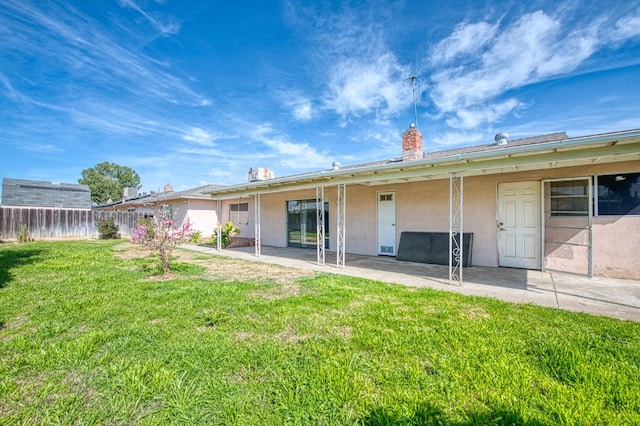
(598, 296)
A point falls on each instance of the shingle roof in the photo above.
(552, 137)
(32, 193)
(163, 196)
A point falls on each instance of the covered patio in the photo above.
(598, 296)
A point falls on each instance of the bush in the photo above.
(227, 232)
(108, 229)
(195, 237)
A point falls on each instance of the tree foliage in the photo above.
(108, 180)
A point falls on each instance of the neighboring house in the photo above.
(191, 203)
(32, 193)
(548, 203)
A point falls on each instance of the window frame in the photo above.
(635, 211)
(239, 213)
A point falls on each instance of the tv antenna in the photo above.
(413, 79)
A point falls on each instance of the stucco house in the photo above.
(192, 203)
(550, 202)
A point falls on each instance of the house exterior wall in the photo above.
(203, 215)
(424, 206)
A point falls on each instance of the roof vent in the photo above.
(502, 138)
(335, 165)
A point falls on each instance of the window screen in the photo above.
(569, 198)
(239, 213)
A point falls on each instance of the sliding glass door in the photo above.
(302, 223)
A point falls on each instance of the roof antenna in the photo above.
(413, 79)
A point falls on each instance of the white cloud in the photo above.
(534, 48)
(41, 148)
(303, 111)
(466, 39)
(627, 27)
(360, 86)
(60, 36)
(164, 25)
(293, 155)
(199, 136)
(473, 117)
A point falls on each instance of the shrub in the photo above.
(195, 237)
(108, 229)
(23, 235)
(227, 231)
(149, 224)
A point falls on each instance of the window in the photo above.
(569, 197)
(619, 194)
(239, 213)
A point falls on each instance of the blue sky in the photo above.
(192, 93)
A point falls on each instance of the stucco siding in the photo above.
(203, 216)
(424, 206)
(616, 246)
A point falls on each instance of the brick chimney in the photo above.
(411, 144)
(168, 188)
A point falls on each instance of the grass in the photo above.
(90, 335)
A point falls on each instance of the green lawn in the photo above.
(89, 336)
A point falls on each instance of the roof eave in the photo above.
(462, 160)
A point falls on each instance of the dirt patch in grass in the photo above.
(128, 251)
(283, 291)
(226, 269)
(290, 336)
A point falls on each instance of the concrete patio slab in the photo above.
(610, 297)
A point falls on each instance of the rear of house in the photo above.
(550, 202)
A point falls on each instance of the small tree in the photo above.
(161, 235)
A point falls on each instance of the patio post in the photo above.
(456, 235)
(319, 224)
(342, 211)
(257, 224)
(219, 226)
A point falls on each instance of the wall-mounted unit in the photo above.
(260, 173)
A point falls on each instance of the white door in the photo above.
(519, 225)
(387, 223)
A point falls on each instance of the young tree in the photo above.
(161, 235)
(108, 180)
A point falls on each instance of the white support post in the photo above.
(320, 224)
(456, 235)
(219, 227)
(342, 208)
(257, 224)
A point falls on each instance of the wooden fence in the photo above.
(51, 223)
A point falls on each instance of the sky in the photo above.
(197, 92)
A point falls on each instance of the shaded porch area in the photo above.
(599, 296)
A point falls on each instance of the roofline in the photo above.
(462, 159)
